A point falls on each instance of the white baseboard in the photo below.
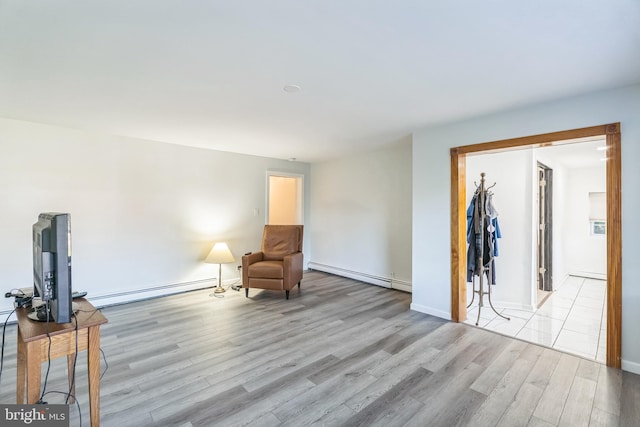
(154, 292)
(500, 304)
(511, 305)
(105, 300)
(385, 282)
(629, 366)
(589, 275)
(430, 310)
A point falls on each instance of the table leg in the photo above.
(21, 378)
(34, 364)
(93, 362)
(71, 364)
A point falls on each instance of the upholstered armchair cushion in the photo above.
(267, 270)
(278, 266)
(279, 241)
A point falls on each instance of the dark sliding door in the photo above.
(545, 227)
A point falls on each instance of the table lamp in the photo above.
(220, 254)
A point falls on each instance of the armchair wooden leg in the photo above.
(286, 294)
(246, 292)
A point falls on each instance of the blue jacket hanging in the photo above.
(478, 233)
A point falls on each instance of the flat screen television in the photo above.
(52, 264)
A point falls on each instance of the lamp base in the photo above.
(219, 290)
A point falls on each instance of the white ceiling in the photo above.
(578, 153)
(211, 73)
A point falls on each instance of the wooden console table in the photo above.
(33, 350)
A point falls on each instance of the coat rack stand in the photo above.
(481, 211)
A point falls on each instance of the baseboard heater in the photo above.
(118, 298)
(152, 292)
(385, 282)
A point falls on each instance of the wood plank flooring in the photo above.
(337, 353)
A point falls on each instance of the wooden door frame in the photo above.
(614, 221)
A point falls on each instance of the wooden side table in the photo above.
(33, 349)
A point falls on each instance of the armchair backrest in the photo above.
(281, 240)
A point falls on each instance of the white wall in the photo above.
(143, 214)
(587, 254)
(512, 195)
(431, 192)
(361, 216)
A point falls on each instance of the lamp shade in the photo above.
(220, 254)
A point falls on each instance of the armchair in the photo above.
(278, 266)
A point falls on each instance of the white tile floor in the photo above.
(572, 319)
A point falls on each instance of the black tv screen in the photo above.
(52, 264)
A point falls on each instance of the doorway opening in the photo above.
(611, 133)
(284, 198)
(548, 259)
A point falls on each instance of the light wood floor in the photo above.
(339, 352)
